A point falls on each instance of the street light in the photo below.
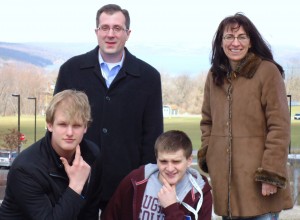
(19, 113)
(290, 105)
(34, 98)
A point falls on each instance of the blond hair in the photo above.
(75, 105)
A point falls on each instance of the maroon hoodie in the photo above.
(127, 200)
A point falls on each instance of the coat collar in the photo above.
(51, 152)
(246, 68)
(130, 64)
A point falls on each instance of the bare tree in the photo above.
(26, 80)
(183, 91)
(292, 83)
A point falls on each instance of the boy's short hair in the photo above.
(172, 141)
(75, 105)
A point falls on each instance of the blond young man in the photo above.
(56, 177)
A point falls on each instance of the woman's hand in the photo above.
(268, 189)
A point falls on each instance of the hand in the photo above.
(268, 189)
(167, 194)
(78, 172)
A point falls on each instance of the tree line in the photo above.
(183, 92)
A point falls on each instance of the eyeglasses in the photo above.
(243, 38)
(116, 29)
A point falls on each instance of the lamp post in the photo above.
(19, 114)
(290, 105)
(34, 98)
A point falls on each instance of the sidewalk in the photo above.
(291, 214)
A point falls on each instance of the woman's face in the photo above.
(235, 44)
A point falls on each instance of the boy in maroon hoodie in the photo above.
(167, 190)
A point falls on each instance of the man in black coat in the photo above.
(125, 97)
(58, 176)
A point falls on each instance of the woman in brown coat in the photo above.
(245, 125)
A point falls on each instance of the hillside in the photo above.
(26, 54)
(166, 58)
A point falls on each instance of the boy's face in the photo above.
(172, 165)
(66, 135)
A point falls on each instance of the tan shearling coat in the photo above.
(245, 138)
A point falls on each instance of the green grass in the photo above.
(295, 130)
(190, 125)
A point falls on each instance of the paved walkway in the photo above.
(291, 214)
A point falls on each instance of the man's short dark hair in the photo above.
(111, 9)
(172, 141)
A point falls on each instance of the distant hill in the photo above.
(289, 58)
(171, 59)
(23, 53)
(167, 59)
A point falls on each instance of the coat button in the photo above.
(104, 130)
(107, 98)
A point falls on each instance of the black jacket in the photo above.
(127, 117)
(37, 185)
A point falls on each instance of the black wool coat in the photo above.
(127, 116)
(37, 185)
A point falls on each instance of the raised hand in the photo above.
(78, 172)
(167, 194)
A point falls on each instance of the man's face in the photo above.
(112, 43)
(66, 135)
(172, 165)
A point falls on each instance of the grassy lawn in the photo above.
(295, 131)
(190, 125)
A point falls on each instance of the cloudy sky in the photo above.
(191, 22)
(178, 32)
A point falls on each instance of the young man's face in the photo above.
(172, 165)
(66, 135)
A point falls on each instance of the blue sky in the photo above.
(178, 29)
